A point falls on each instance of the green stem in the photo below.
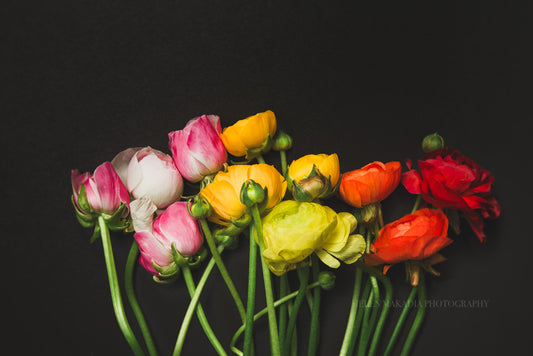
(368, 321)
(383, 316)
(260, 159)
(348, 334)
(264, 311)
(115, 289)
(303, 273)
(222, 269)
(201, 314)
(419, 317)
(417, 203)
(401, 321)
(315, 326)
(269, 295)
(250, 302)
(283, 311)
(359, 319)
(192, 307)
(130, 294)
(283, 157)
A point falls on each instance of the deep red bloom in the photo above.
(447, 179)
(416, 236)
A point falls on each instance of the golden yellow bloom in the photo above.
(312, 173)
(250, 133)
(223, 194)
(293, 230)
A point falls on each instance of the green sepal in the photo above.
(197, 259)
(300, 194)
(166, 272)
(96, 234)
(251, 153)
(330, 191)
(168, 280)
(228, 241)
(85, 220)
(241, 162)
(83, 203)
(314, 172)
(178, 258)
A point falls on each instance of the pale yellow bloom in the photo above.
(327, 165)
(293, 230)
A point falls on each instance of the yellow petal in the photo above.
(233, 142)
(329, 167)
(327, 259)
(352, 251)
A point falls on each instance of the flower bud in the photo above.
(432, 142)
(326, 279)
(200, 208)
(281, 142)
(251, 193)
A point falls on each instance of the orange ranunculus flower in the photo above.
(223, 194)
(416, 236)
(249, 134)
(370, 184)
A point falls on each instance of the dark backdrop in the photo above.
(83, 80)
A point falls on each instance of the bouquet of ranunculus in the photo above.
(286, 223)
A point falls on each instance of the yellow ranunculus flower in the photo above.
(250, 133)
(223, 194)
(315, 184)
(294, 230)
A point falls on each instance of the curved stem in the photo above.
(315, 326)
(303, 273)
(269, 295)
(417, 203)
(383, 316)
(192, 307)
(369, 318)
(222, 268)
(201, 314)
(130, 294)
(348, 334)
(359, 319)
(250, 301)
(419, 317)
(401, 321)
(264, 311)
(115, 289)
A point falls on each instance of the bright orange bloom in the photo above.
(250, 133)
(223, 194)
(370, 184)
(415, 236)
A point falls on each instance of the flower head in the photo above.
(174, 227)
(152, 174)
(103, 191)
(251, 135)
(294, 230)
(447, 179)
(198, 150)
(370, 184)
(416, 236)
(314, 175)
(223, 194)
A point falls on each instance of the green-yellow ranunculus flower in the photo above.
(293, 230)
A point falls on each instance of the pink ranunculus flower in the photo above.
(153, 175)
(104, 190)
(198, 150)
(175, 226)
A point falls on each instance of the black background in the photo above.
(83, 80)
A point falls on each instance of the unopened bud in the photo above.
(432, 142)
(326, 280)
(369, 213)
(200, 208)
(251, 193)
(281, 142)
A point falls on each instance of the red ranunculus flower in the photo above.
(447, 179)
(416, 236)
